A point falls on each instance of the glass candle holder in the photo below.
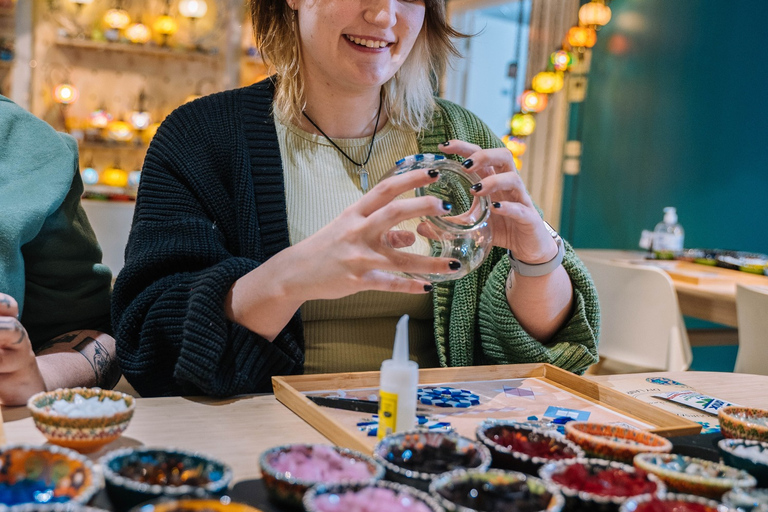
(462, 234)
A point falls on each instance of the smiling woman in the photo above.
(257, 248)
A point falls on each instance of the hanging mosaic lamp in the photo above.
(193, 8)
(594, 14)
(165, 25)
(66, 94)
(532, 101)
(138, 33)
(581, 37)
(547, 82)
(99, 118)
(515, 145)
(522, 124)
(117, 18)
(134, 177)
(114, 176)
(561, 60)
(90, 176)
(120, 131)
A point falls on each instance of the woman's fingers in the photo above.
(8, 306)
(15, 347)
(391, 282)
(401, 210)
(459, 147)
(389, 189)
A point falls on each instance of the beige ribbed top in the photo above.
(354, 333)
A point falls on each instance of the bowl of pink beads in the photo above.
(381, 496)
(289, 470)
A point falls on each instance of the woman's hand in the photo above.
(20, 376)
(515, 222)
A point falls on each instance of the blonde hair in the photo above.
(407, 96)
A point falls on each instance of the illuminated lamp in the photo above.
(516, 146)
(166, 26)
(547, 82)
(120, 131)
(561, 60)
(522, 124)
(100, 118)
(138, 33)
(66, 94)
(133, 178)
(518, 162)
(117, 18)
(581, 37)
(90, 176)
(149, 133)
(140, 119)
(114, 177)
(532, 101)
(594, 14)
(193, 9)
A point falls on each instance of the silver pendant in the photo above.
(363, 179)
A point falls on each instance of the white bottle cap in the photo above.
(670, 215)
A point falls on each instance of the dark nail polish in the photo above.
(447, 206)
(433, 173)
(496, 205)
(428, 287)
(454, 265)
(467, 163)
(446, 143)
(477, 187)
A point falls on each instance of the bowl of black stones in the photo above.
(520, 447)
(494, 490)
(137, 475)
(416, 458)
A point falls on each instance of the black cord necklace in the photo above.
(362, 172)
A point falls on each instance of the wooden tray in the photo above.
(340, 426)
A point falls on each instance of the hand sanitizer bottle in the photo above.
(668, 236)
(398, 386)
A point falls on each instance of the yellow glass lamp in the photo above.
(120, 131)
(138, 33)
(515, 145)
(65, 94)
(561, 60)
(581, 37)
(518, 162)
(166, 26)
(532, 101)
(522, 124)
(595, 14)
(117, 18)
(547, 82)
(148, 134)
(114, 176)
(100, 118)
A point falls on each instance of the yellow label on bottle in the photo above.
(387, 413)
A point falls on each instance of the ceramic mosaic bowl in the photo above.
(288, 490)
(690, 475)
(673, 502)
(527, 453)
(747, 500)
(313, 498)
(47, 474)
(599, 485)
(82, 434)
(751, 456)
(614, 442)
(495, 489)
(223, 504)
(744, 423)
(136, 475)
(416, 458)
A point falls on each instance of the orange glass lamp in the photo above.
(547, 82)
(532, 101)
(117, 18)
(561, 60)
(65, 94)
(120, 131)
(138, 33)
(594, 14)
(522, 124)
(515, 145)
(166, 26)
(518, 162)
(114, 176)
(581, 37)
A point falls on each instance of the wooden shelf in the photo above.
(110, 146)
(135, 49)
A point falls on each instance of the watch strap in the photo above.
(538, 269)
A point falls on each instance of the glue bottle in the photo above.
(398, 386)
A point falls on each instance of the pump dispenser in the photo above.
(668, 236)
(398, 386)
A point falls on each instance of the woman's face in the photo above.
(356, 44)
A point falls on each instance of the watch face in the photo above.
(551, 231)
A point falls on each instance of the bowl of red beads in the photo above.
(495, 490)
(692, 475)
(673, 502)
(136, 475)
(380, 496)
(525, 448)
(415, 458)
(598, 484)
(614, 442)
(290, 470)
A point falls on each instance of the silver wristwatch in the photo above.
(539, 269)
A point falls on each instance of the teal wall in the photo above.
(678, 119)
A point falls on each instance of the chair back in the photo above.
(640, 319)
(752, 315)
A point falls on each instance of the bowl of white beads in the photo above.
(84, 419)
